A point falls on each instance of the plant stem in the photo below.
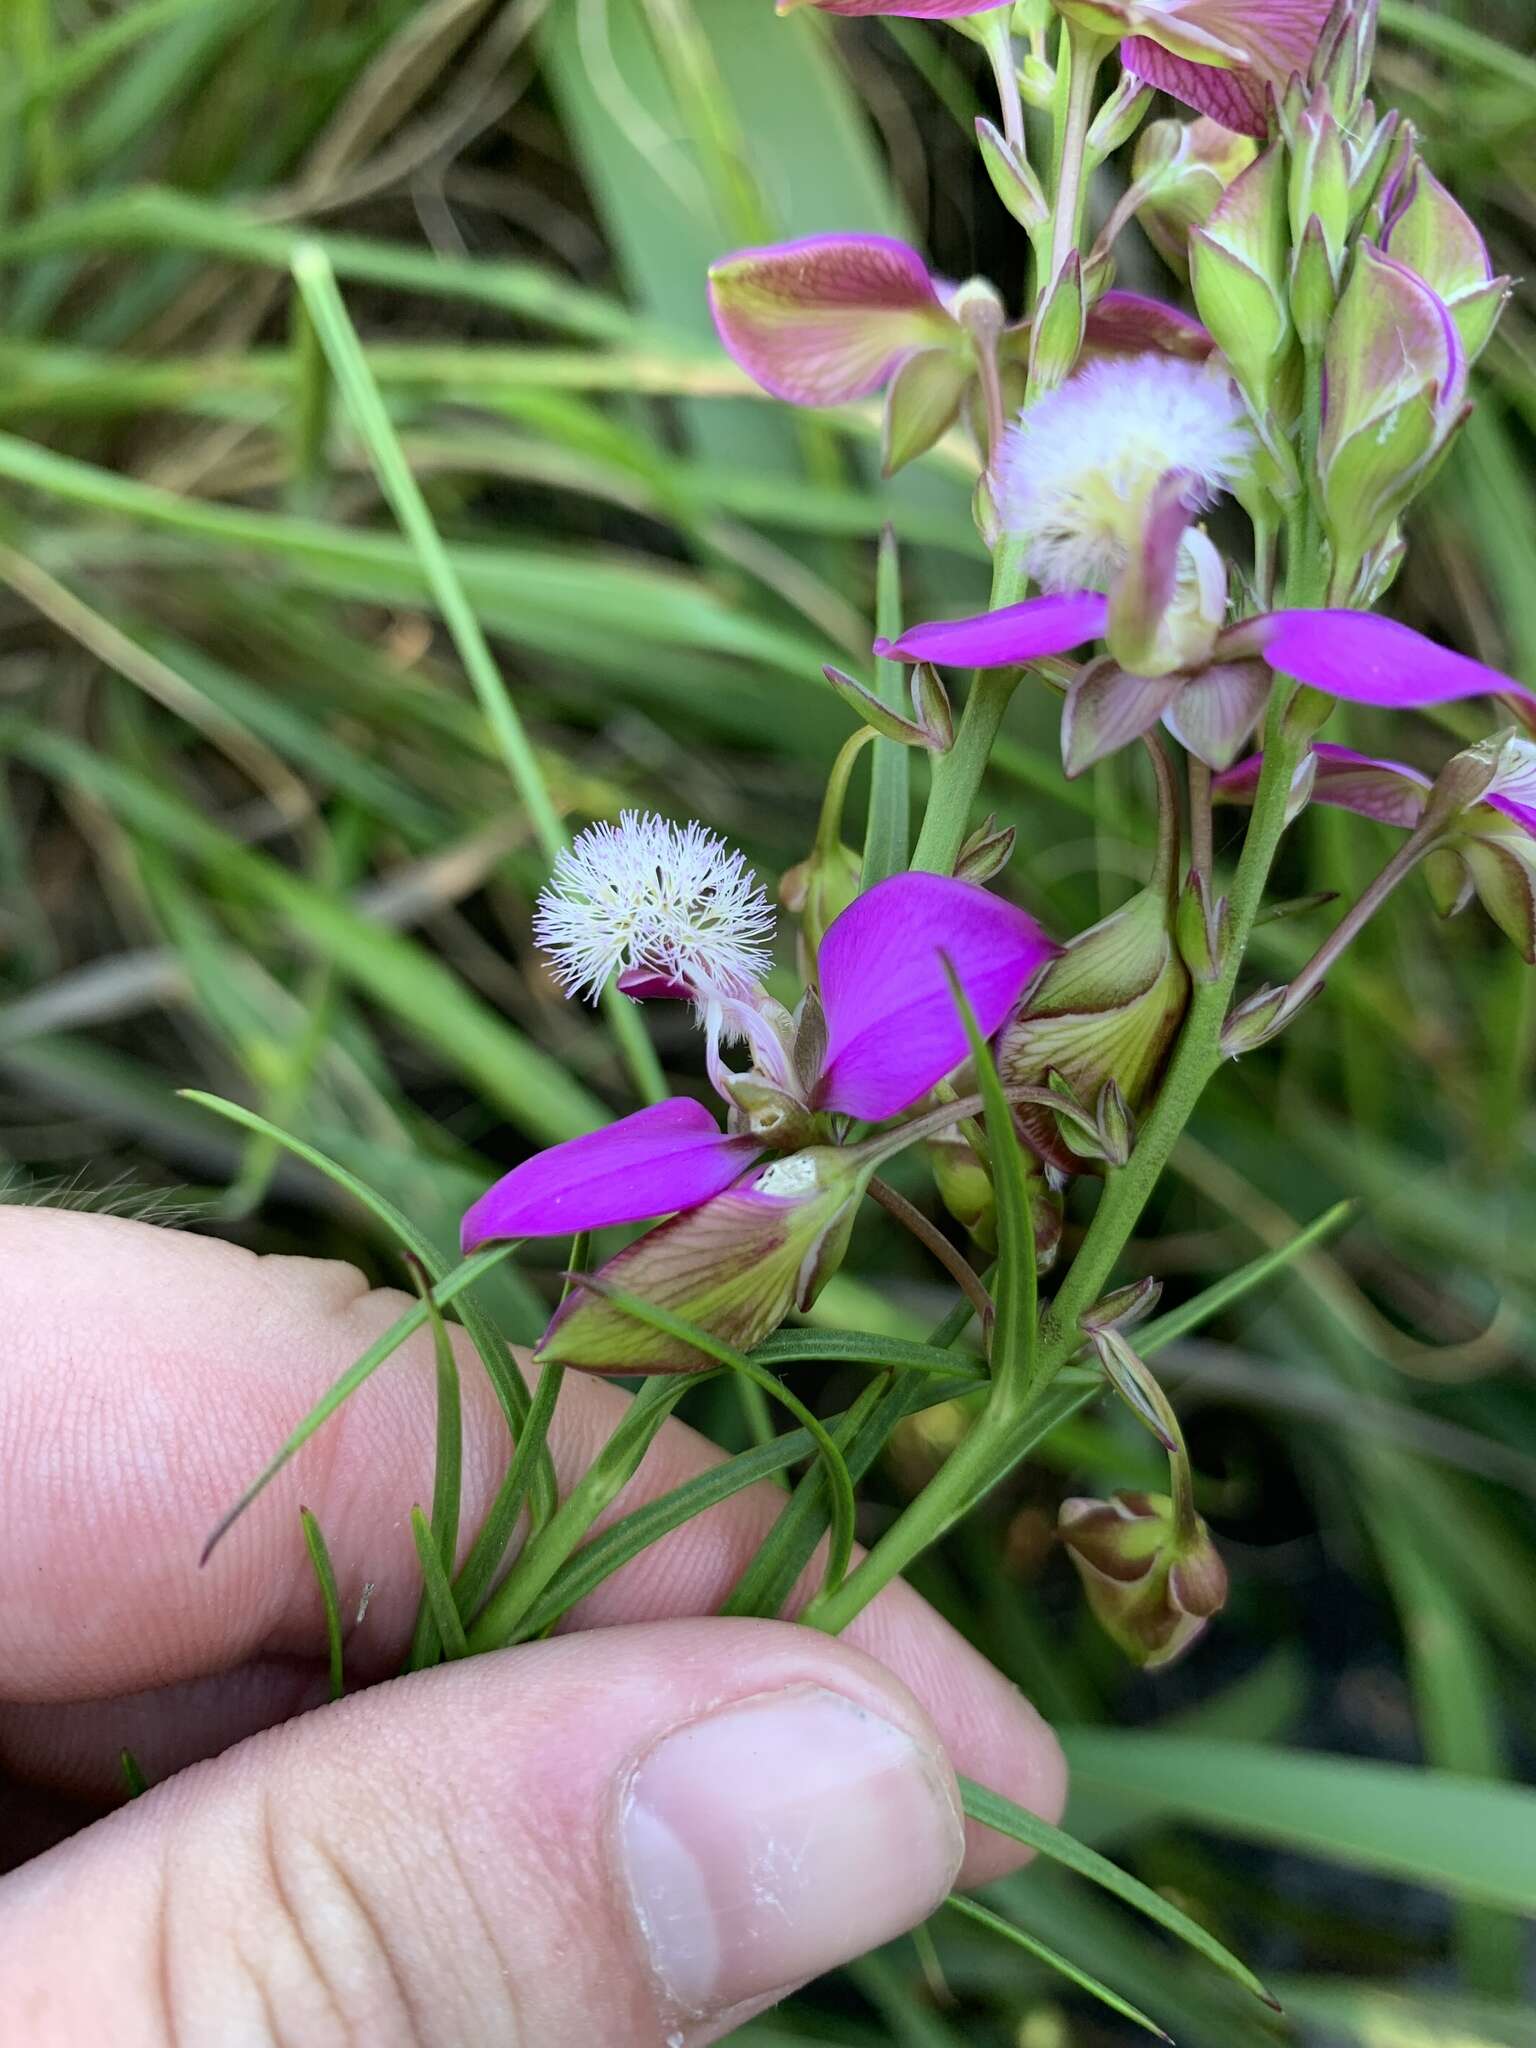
(957, 775)
(1397, 869)
(1081, 52)
(1200, 850)
(954, 1262)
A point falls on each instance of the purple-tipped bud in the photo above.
(734, 1267)
(1238, 271)
(829, 319)
(1185, 168)
(1395, 387)
(1106, 1010)
(1151, 1589)
(1430, 233)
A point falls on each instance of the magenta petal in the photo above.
(1388, 791)
(828, 319)
(1237, 99)
(893, 1030)
(1524, 815)
(670, 1156)
(1370, 660)
(1019, 632)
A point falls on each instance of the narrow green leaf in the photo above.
(316, 281)
(506, 1380)
(844, 1508)
(439, 1593)
(994, 1811)
(1472, 1837)
(325, 1578)
(1189, 1315)
(983, 1916)
(1016, 1286)
(448, 1467)
(134, 1781)
(504, 1617)
(496, 1531)
(381, 1348)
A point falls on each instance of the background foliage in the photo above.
(256, 836)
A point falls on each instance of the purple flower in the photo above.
(1358, 656)
(1221, 57)
(892, 1033)
(829, 319)
(1487, 851)
(834, 318)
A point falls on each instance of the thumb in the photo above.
(638, 1834)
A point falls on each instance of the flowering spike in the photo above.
(670, 1156)
(828, 319)
(657, 901)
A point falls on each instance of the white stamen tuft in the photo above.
(1076, 471)
(670, 900)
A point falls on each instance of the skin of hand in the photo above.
(643, 1830)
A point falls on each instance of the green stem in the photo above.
(996, 38)
(1081, 52)
(957, 775)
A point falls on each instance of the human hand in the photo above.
(640, 1832)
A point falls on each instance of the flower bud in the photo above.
(1314, 285)
(1105, 1010)
(986, 852)
(819, 888)
(1056, 338)
(1395, 382)
(1502, 867)
(965, 1186)
(1319, 183)
(1201, 926)
(1431, 234)
(1345, 52)
(1119, 117)
(1185, 168)
(1012, 178)
(1151, 1590)
(922, 403)
(1238, 273)
(734, 1266)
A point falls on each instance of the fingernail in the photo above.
(779, 1836)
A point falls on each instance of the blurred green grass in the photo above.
(256, 836)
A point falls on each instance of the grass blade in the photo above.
(983, 1916)
(325, 1577)
(447, 1475)
(381, 1348)
(316, 281)
(887, 831)
(994, 1811)
(439, 1593)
